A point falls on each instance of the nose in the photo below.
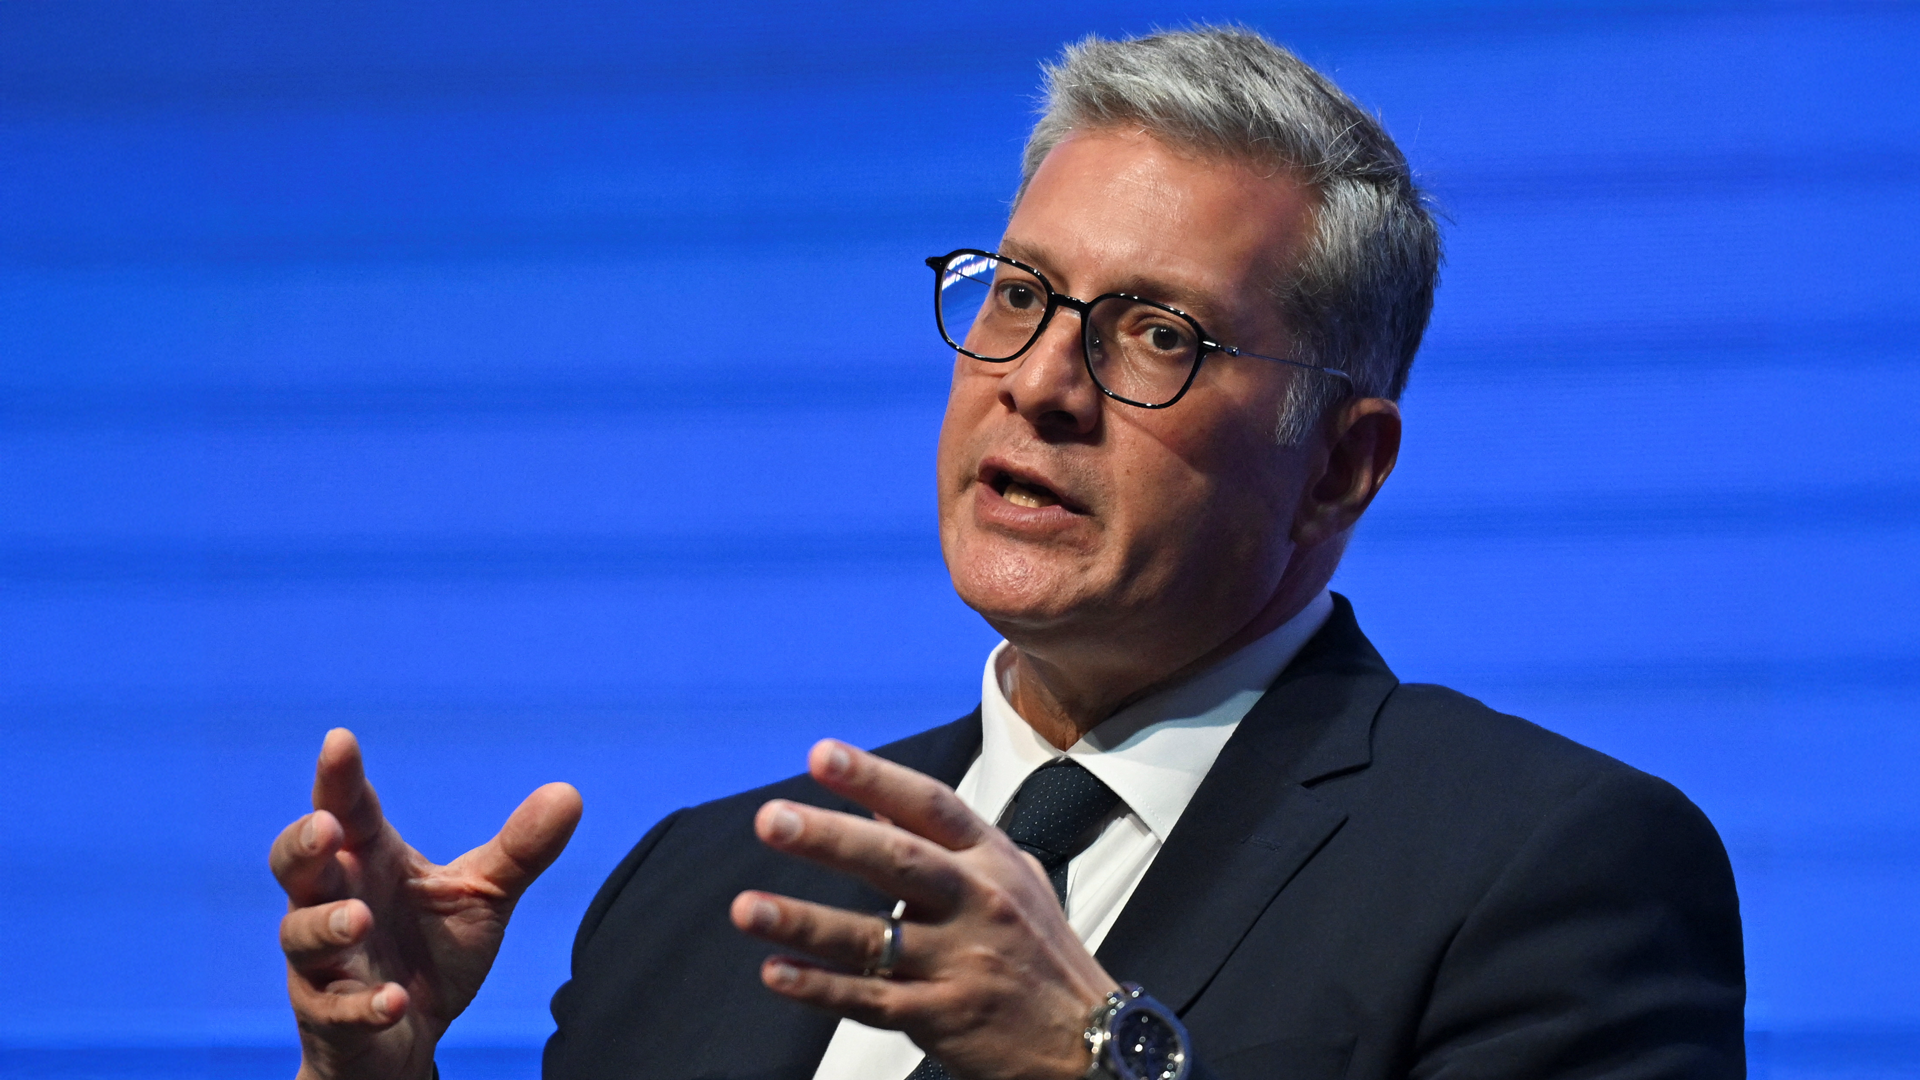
(1049, 384)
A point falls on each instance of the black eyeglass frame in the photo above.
(1057, 300)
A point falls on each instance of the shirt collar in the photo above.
(1153, 753)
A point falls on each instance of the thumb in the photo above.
(532, 838)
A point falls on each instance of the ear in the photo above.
(1360, 443)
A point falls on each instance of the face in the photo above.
(1069, 517)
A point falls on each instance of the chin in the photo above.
(1012, 587)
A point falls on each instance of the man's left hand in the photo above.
(989, 979)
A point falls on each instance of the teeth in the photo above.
(1021, 495)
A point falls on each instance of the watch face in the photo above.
(1148, 1045)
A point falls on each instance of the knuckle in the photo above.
(954, 1004)
(1034, 866)
(872, 998)
(296, 931)
(949, 814)
(353, 1010)
(324, 1009)
(904, 853)
(992, 966)
(853, 942)
(937, 800)
(342, 921)
(792, 921)
(311, 932)
(997, 905)
(338, 1009)
(282, 860)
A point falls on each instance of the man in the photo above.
(1173, 398)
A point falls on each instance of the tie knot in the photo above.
(1055, 808)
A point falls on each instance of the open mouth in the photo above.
(1022, 492)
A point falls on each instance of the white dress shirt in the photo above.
(1153, 754)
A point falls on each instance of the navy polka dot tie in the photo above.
(1054, 814)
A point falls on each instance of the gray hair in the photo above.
(1359, 298)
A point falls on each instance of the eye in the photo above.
(1165, 338)
(1019, 295)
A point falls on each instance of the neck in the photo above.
(1065, 693)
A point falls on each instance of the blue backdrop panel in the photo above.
(459, 374)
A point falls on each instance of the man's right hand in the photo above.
(384, 948)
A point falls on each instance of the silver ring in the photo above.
(883, 964)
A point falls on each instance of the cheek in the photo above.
(969, 399)
(1230, 485)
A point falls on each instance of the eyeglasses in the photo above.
(1138, 351)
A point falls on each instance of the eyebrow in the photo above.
(1198, 305)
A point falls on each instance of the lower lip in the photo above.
(993, 509)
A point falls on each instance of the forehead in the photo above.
(1121, 211)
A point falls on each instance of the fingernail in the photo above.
(307, 832)
(785, 824)
(838, 761)
(383, 1002)
(781, 973)
(765, 915)
(337, 922)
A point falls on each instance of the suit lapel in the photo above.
(944, 753)
(1255, 820)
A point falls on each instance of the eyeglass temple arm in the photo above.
(1231, 351)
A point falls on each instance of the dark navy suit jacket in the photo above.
(1375, 880)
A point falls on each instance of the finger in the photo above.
(879, 1003)
(302, 859)
(340, 787)
(348, 1005)
(889, 858)
(845, 938)
(912, 800)
(314, 938)
(527, 844)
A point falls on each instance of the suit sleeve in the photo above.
(1609, 946)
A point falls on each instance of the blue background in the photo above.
(454, 373)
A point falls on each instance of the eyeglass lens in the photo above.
(1139, 352)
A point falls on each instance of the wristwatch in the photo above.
(1133, 1037)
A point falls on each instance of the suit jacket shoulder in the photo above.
(1597, 901)
(1388, 880)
